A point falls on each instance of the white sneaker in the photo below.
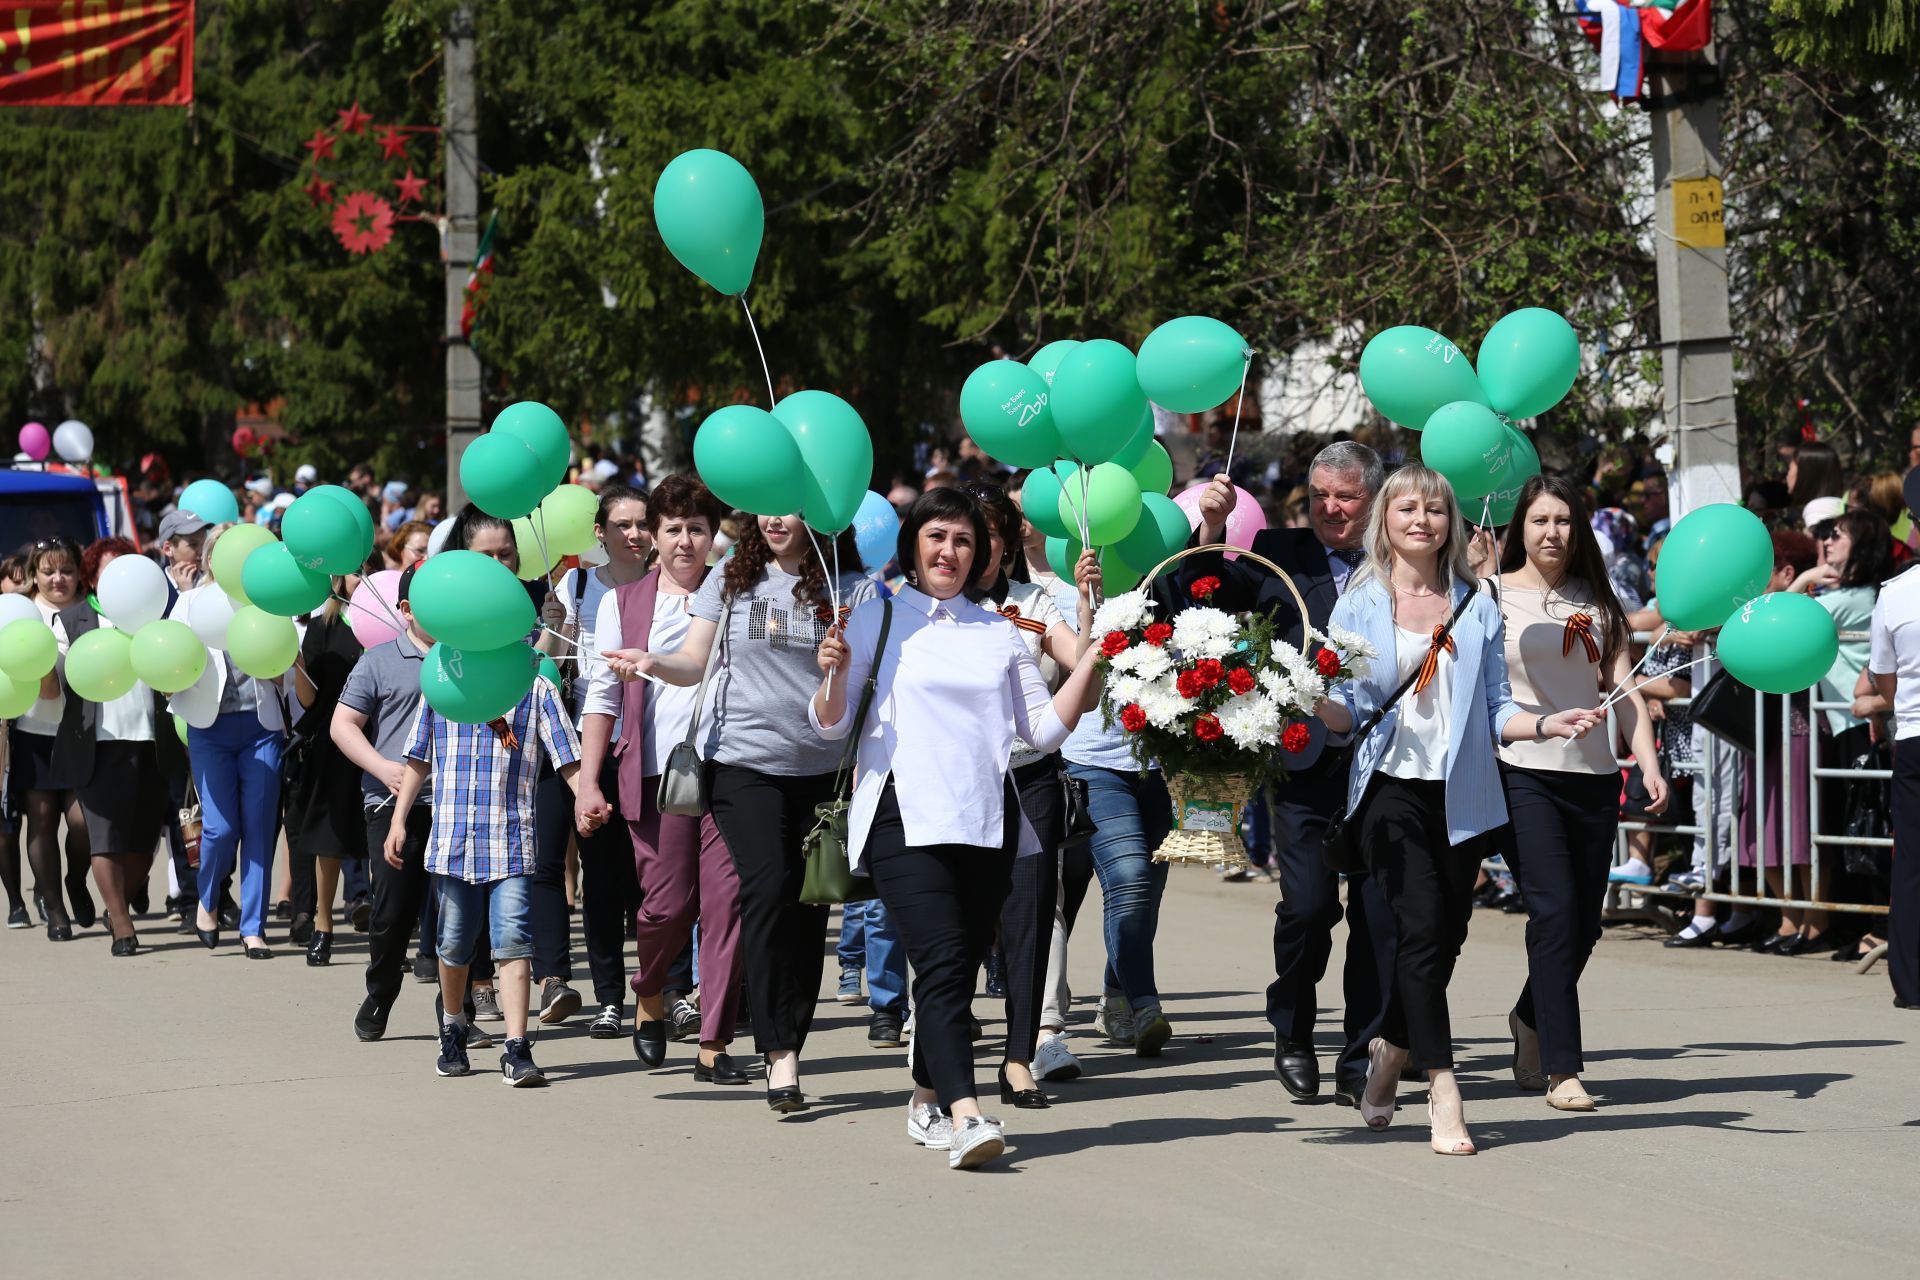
(929, 1126)
(1054, 1061)
(973, 1142)
(1114, 1020)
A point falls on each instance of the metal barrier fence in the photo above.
(1748, 885)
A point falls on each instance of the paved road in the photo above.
(186, 1114)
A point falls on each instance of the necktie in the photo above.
(1349, 556)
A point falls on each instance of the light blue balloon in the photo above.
(211, 501)
(876, 528)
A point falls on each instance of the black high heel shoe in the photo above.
(1022, 1099)
(320, 949)
(785, 1098)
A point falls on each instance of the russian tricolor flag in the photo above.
(1622, 32)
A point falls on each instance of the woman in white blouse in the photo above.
(935, 819)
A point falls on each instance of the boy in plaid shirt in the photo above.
(480, 853)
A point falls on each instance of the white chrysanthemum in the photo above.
(1351, 644)
(1162, 703)
(1275, 683)
(1150, 661)
(1306, 681)
(1122, 613)
(1124, 689)
(1251, 721)
(1205, 633)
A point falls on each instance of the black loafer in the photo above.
(723, 1071)
(784, 1099)
(259, 953)
(650, 1043)
(1299, 1070)
(301, 931)
(1022, 1099)
(59, 933)
(127, 946)
(1348, 1088)
(1707, 939)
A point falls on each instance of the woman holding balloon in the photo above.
(38, 790)
(324, 822)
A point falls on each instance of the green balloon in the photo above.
(1040, 498)
(473, 686)
(356, 507)
(568, 515)
(1003, 405)
(230, 554)
(17, 696)
(167, 655)
(180, 729)
(836, 455)
(549, 671)
(1781, 642)
(1046, 361)
(709, 212)
(277, 583)
(503, 476)
(1155, 470)
(470, 601)
(323, 536)
(1112, 503)
(100, 665)
(1116, 575)
(1097, 400)
(535, 560)
(1135, 450)
(1715, 559)
(750, 461)
(262, 644)
(541, 430)
(28, 649)
(1529, 361)
(1525, 466)
(1409, 372)
(1467, 443)
(1163, 530)
(1192, 364)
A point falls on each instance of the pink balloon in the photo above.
(374, 610)
(34, 441)
(1245, 520)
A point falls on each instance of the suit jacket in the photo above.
(73, 746)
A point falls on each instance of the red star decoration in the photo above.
(354, 120)
(321, 144)
(392, 145)
(411, 188)
(363, 223)
(318, 191)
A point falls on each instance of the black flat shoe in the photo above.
(127, 946)
(1773, 942)
(1683, 939)
(785, 1098)
(59, 933)
(650, 1042)
(1297, 1067)
(1023, 1099)
(1802, 944)
(85, 919)
(1348, 1088)
(722, 1071)
(229, 917)
(1745, 935)
(320, 949)
(259, 953)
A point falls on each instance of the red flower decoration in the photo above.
(1132, 718)
(1189, 684)
(1114, 643)
(1159, 633)
(1210, 672)
(363, 223)
(1207, 728)
(1240, 680)
(1294, 738)
(1204, 587)
(320, 144)
(1328, 662)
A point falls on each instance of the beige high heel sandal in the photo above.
(1463, 1147)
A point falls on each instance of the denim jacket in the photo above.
(1481, 701)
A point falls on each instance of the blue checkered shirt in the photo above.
(483, 827)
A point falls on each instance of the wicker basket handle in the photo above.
(1299, 601)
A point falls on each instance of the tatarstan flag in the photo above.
(477, 277)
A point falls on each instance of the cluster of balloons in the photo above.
(1464, 412)
(1714, 567)
(72, 440)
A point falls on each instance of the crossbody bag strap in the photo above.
(851, 751)
(713, 660)
(1380, 712)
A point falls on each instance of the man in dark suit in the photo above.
(1320, 559)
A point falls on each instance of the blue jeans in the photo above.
(504, 905)
(1132, 815)
(236, 769)
(867, 937)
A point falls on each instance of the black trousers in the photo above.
(1903, 893)
(764, 817)
(944, 900)
(1026, 922)
(1428, 885)
(397, 898)
(1308, 910)
(1564, 826)
(609, 889)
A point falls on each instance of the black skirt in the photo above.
(30, 765)
(126, 803)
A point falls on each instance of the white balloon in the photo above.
(132, 592)
(209, 610)
(437, 540)
(18, 606)
(199, 703)
(73, 441)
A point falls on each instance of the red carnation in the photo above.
(1190, 685)
(1159, 633)
(1209, 671)
(1114, 643)
(1207, 728)
(1328, 662)
(1240, 680)
(1132, 718)
(1294, 739)
(1204, 587)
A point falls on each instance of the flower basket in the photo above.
(1206, 819)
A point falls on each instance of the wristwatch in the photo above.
(1540, 728)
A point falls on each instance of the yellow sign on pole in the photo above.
(1699, 220)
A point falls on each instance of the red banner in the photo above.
(96, 53)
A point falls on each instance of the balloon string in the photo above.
(1086, 532)
(1625, 689)
(540, 536)
(386, 608)
(1627, 684)
(1238, 401)
(833, 583)
(755, 330)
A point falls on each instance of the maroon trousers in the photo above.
(686, 874)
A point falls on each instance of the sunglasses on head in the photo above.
(1825, 529)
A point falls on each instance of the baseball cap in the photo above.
(260, 485)
(179, 523)
(606, 469)
(281, 501)
(1821, 509)
(306, 474)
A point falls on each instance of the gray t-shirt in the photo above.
(384, 686)
(758, 704)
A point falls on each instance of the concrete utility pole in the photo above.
(1696, 334)
(463, 231)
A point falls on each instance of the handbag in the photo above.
(1076, 819)
(1724, 708)
(1339, 849)
(190, 824)
(683, 778)
(1870, 817)
(829, 877)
